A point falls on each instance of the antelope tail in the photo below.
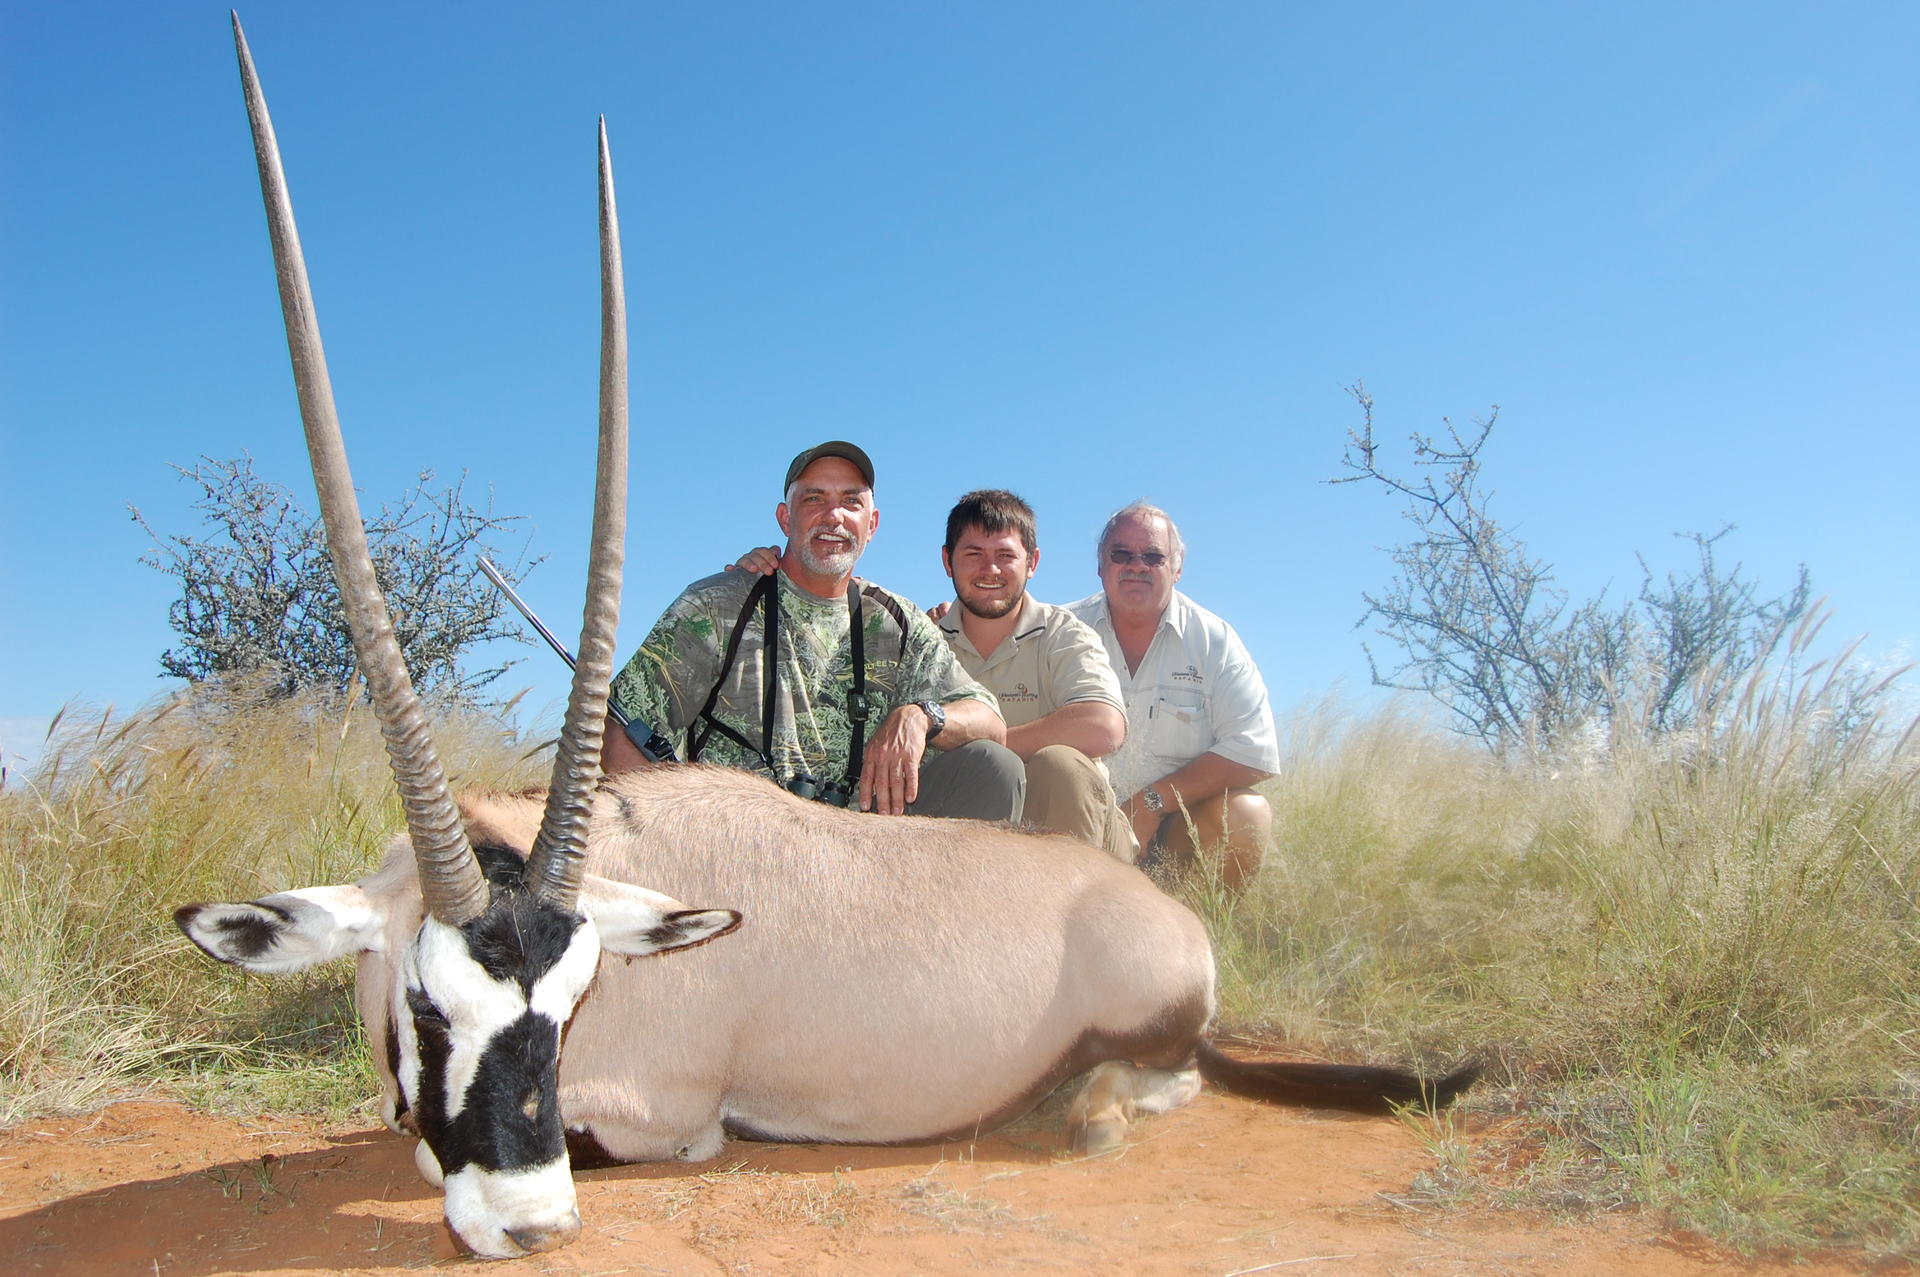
(1366, 1087)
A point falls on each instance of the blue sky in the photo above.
(1089, 251)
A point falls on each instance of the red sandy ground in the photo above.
(1223, 1187)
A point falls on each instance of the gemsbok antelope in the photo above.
(881, 979)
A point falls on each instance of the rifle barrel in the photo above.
(520, 605)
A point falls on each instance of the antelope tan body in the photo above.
(892, 979)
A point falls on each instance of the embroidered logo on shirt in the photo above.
(1020, 692)
(1191, 674)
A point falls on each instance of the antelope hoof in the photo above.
(1101, 1136)
(1097, 1121)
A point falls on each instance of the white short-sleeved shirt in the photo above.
(1196, 692)
(1052, 658)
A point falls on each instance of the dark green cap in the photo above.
(832, 448)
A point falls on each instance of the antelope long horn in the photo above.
(559, 851)
(450, 879)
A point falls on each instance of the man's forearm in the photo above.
(617, 753)
(1207, 776)
(1095, 728)
(969, 720)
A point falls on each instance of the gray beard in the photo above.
(822, 565)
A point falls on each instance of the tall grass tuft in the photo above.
(1691, 963)
(221, 792)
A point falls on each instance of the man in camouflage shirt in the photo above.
(933, 737)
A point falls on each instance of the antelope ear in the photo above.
(634, 921)
(286, 932)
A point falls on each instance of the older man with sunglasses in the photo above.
(1200, 734)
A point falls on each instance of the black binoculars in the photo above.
(831, 792)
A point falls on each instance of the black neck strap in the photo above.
(766, 591)
(704, 723)
(857, 702)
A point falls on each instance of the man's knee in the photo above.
(1232, 827)
(979, 780)
(1241, 839)
(1060, 768)
(1068, 793)
(1249, 816)
(1235, 816)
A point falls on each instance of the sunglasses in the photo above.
(1125, 558)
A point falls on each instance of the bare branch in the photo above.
(1481, 627)
(258, 595)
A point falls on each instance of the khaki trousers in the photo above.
(1067, 793)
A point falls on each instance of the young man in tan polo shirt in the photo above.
(1048, 669)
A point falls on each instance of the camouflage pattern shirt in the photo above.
(669, 679)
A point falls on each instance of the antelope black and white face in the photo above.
(477, 1023)
(482, 988)
(474, 1022)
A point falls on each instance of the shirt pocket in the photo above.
(1180, 727)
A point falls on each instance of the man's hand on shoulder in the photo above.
(763, 561)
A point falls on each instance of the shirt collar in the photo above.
(951, 627)
(1179, 614)
(1028, 621)
(1177, 617)
(792, 595)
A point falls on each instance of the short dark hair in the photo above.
(991, 510)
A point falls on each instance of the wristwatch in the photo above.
(936, 717)
(1151, 800)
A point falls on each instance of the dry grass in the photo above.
(216, 794)
(960, 1211)
(1692, 966)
